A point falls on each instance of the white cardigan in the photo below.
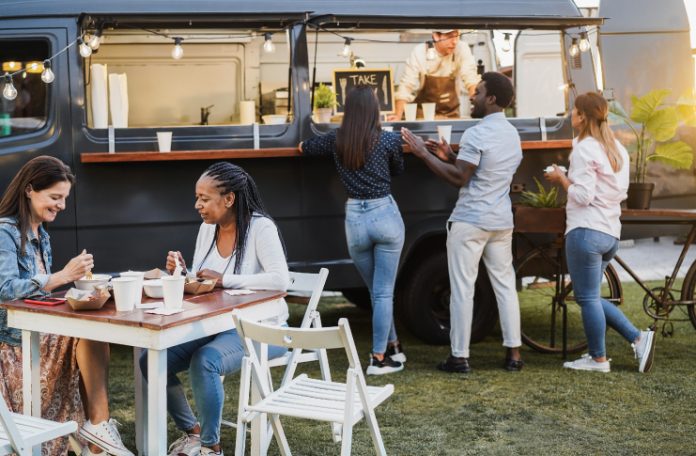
(263, 267)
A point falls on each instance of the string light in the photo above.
(574, 48)
(85, 50)
(268, 46)
(178, 51)
(346, 47)
(506, 43)
(96, 39)
(47, 75)
(584, 42)
(9, 91)
(430, 53)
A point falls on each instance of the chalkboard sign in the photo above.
(379, 79)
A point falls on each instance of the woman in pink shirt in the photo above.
(596, 184)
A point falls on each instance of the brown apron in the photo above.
(441, 90)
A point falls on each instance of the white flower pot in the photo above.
(323, 115)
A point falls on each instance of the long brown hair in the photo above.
(595, 110)
(39, 173)
(359, 129)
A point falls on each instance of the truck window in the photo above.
(216, 77)
(26, 112)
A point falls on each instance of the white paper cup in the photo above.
(428, 111)
(124, 289)
(138, 292)
(387, 128)
(164, 141)
(444, 132)
(173, 291)
(410, 111)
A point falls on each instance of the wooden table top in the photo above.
(657, 216)
(196, 307)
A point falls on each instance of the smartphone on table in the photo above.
(45, 300)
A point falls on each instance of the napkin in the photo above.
(239, 292)
(163, 311)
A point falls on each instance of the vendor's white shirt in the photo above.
(596, 191)
(460, 64)
(263, 268)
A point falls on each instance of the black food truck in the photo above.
(234, 80)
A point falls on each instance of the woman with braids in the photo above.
(366, 157)
(596, 184)
(239, 245)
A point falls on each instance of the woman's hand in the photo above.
(210, 274)
(77, 267)
(557, 177)
(172, 257)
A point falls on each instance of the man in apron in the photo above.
(439, 77)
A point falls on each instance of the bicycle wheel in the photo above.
(689, 292)
(544, 289)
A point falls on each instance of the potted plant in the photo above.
(654, 125)
(540, 211)
(324, 102)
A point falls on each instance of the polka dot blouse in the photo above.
(373, 180)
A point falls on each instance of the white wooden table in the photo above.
(205, 315)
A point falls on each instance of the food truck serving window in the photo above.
(177, 78)
(24, 99)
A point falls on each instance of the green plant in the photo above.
(654, 125)
(540, 198)
(324, 97)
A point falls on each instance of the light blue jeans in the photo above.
(375, 235)
(206, 360)
(588, 252)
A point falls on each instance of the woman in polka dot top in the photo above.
(366, 158)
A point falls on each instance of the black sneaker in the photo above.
(386, 366)
(455, 364)
(396, 352)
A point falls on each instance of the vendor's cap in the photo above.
(444, 31)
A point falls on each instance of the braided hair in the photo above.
(231, 178)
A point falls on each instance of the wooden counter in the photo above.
(271, 152)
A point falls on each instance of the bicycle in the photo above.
(551, 320)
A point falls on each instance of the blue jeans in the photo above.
(588, 252)
(206, 360)
(375, 235)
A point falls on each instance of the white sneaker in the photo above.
(186, 445)
(105, 436)
(586, 363)
(205, 451)
(645, 350)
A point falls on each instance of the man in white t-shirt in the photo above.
(437, 76)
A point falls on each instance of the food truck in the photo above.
(140, 97)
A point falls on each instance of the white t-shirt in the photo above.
(263, 267)
(596, 191)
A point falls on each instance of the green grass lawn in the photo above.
(542, 410)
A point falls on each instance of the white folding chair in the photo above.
(21, 433)
(304, 397)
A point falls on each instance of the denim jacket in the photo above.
(19, 276)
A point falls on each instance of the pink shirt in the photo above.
(596, 191)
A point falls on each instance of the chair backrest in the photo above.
(309, 283)
(9, 426)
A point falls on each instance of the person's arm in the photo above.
(409, 84)
(270, 254)
(581, 183)
(396, 155)
(321, 145)
(467, 69)
(458, 174)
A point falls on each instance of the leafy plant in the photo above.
(654, 125)
(324, 97)
(540, 198)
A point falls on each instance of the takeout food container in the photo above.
(198, 286)
(155, 274)
(87, 300)
(89, 284)
(274, 119)
(153, 288)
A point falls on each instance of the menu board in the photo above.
(379, 79)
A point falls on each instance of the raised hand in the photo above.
(78, 267)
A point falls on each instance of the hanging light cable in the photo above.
(9, 91)
(178, 51)
(584, 42)
(430, 53)
(47, 75)
(346, 47)
(574, 48)
(268, 46)
(506, 46)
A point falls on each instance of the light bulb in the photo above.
(346, 47)
(85, 50)
(178, 51)
(96, 40)
(268, 46)
(574, 49)
(47, 75)
(430, 53)
(506, 43)
(9, 91)
(584, 42)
